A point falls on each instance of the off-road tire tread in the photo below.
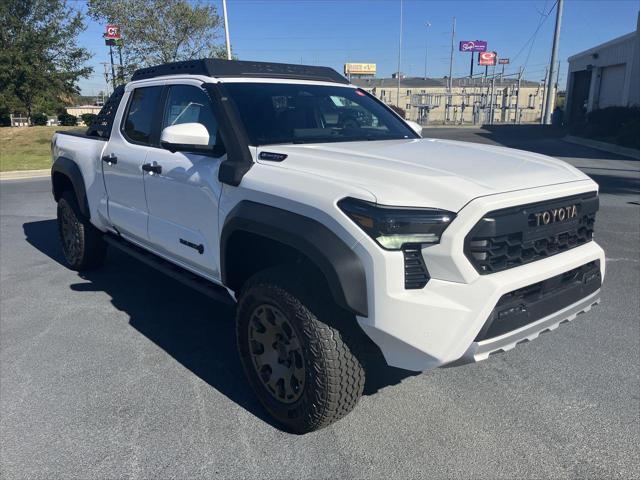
(94, 248)
(338, 377)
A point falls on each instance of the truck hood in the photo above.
(426, 172)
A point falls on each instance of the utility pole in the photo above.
(426, 49)
(515, 118)
(226, 28)
(552, 64)
(453, 34)
(399, 58)
(545, 95)
(106, 76)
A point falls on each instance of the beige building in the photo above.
(471, 101)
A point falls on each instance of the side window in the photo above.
(141, 115)
(189, 104)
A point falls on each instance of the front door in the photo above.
(122, 162)
(183, 197)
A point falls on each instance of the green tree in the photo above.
(161, 31)
(40, 60)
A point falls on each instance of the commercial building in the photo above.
(604, 76)
(470, 100)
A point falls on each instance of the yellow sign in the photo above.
(359, 68)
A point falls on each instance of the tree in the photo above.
(161, 31)
(40, 61)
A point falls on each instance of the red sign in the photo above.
(487, 58)
(112, 32)
(503, 61)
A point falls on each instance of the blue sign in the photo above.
(473, 46)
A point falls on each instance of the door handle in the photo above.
(152, 168)
(111, 159)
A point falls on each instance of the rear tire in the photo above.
(295, 361)
(82, 244)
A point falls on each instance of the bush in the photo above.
(67, 120)
(608, 122)
(629, 135)
(40, 119)
(88, 118)
(398, 110)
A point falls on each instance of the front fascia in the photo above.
(446, 261)
(427, 328)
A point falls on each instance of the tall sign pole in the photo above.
(552, 64)
(399, 58)
(113, 70)
(226, 29)
(426, 49)
(113, 38)
(453, 36)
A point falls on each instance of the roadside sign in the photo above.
(112, 32)
(487, 58)
(503, 61)
(473, 46)
(113, 42)
(359, 68)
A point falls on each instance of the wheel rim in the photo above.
(276, 353)
(70, 234)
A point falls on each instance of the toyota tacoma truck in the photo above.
(326, 219)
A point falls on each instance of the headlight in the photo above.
(394, 227)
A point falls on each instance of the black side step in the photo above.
(188, 278)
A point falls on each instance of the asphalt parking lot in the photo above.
(125, 373)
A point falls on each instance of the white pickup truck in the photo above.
(324, 215)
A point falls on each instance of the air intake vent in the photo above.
(416, 274)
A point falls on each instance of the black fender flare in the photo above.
(70, 169)
(341, 267)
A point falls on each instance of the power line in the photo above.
(532, 38)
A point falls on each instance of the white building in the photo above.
(604, 76)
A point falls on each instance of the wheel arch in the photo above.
(65, 175)
(290, 234)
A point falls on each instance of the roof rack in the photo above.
(215, 67)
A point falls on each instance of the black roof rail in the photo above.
(215, 67)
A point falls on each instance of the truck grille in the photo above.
(510, 237)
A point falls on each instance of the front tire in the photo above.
(82, 244)
(297, 364)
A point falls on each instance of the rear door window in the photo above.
(142, 114)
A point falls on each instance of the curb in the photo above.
(604, 146)
(24, 174)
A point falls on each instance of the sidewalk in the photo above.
(23, 174)
(604, 146)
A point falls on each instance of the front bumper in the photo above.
(439, 324)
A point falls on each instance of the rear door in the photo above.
(123, 158)
(183, 197)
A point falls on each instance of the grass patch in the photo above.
(26, 148)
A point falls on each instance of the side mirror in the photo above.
(416, 127)
(186, 137)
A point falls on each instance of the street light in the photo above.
(426, 48)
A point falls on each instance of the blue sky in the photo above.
(332, 32)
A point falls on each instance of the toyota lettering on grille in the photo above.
(555, 215)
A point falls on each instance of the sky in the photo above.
(332, 32)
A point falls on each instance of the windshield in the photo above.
(294, 113)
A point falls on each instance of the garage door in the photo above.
(611, 86)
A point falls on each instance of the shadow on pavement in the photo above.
(195, 330)
(547, 140)
(543, 139)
